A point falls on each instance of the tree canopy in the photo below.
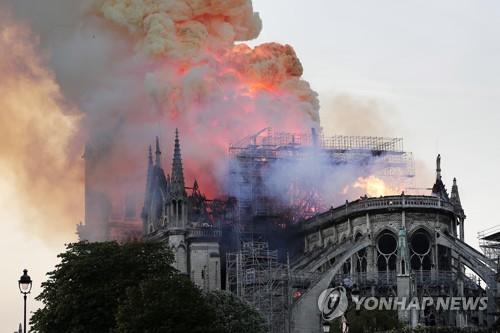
(131, 287)
(165, 305)
(233, 315)
(83, 292)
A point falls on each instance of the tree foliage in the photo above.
(83, 293)
(117, 288)
(166, 305)
(233, 315)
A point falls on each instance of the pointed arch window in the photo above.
(174, 210)
(421, 254)
(387, 247)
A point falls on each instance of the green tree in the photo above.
(110, 287)
(84, 291)
(234, 315)
(166, 305)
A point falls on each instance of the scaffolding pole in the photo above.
(489, 242)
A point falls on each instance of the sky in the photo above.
(424, 71)
(429, 67)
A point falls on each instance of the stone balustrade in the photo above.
(369, 205)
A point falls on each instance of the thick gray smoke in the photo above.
(328, 180)
(138, 69)
(310, 180)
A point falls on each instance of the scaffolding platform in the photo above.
(255, 275)
(267, 137)
(489, 242)
(252, 159)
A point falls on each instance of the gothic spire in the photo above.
(149, 183)
(150, 156)
(439, 190)
(158, 153)
(177, 178)
(455, 196)
(438, 167)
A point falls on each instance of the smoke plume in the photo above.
(39, 150)
(123, 72)
(356, 115)
(138, 69)
(318, 181)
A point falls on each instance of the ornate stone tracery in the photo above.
(410, 246)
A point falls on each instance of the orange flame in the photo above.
(374, 186)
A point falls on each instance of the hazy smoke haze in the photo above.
(122, 72)
(39, 150)
(117, 73)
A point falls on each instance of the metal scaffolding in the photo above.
(489, 241)
(255, 275)
(267, 137)
(253, 157)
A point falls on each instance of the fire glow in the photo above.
(154, 66)
(203, 82)
(374, 186)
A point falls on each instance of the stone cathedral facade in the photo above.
(408, 246)
(404, 246)
(181, 220)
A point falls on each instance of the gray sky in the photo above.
(423, 70)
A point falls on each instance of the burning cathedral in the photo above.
(288, 215)
(280, 253)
